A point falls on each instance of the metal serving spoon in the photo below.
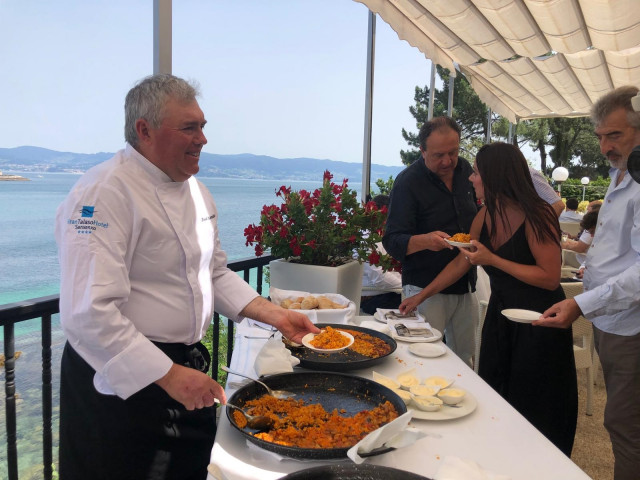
(255, 422)
(274, 393)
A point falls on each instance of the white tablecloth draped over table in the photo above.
(495, 435)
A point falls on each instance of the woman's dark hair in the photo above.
(589, 220)
(506, 179)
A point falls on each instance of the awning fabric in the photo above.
(526, 58)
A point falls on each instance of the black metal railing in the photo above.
(44, 308)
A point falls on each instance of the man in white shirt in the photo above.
(611, 300)
(142, 272)
(571, 213)
(545, 191)
(588, 224)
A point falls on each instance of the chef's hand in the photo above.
(409, 304)
(292, 324)
(191, 388)
(560, 315)
(478, 254)
(580, 273)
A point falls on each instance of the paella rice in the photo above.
(239, 418)
(329, 338)
(461, 237)
(310, 426)
(368, 345)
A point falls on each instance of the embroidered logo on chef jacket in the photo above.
(84, 226)
(206, 219)
(87, 211)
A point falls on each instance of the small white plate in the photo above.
(437, 335)
(464, 408)
(306, 341)
(386, 314)
(458, 244)
(380, 318)
(428, 350)
(521, 316)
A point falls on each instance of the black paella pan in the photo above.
(345, 360)
(352, 471)
(332, 390)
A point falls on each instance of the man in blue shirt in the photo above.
(611, 300)
(431, 200)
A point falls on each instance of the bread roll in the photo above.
(325, 303)
(295, 306)
(309, 303)
(286, 303)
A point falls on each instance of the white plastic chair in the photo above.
(583, 348)
(482, 312)
(572, 228)
(570, 260)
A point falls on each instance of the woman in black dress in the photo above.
(516, 238)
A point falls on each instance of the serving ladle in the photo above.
(274, 393)
(255, 422)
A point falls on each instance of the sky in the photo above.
(284, 78)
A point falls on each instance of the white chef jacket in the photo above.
(140, 261)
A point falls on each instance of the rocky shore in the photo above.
(12, 177)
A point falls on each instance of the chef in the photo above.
(142, 272)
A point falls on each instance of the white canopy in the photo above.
(503, 47)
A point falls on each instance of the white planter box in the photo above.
(345, 279)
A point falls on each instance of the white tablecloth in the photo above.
(495, 435)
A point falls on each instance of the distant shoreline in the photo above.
(8, 178)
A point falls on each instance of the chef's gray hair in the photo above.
(147, 99)
(618, 98)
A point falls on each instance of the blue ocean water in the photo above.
(28, 257)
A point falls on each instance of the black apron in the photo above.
(148, 436)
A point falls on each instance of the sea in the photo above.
(28, 257)
(29, 269)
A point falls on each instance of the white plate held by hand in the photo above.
(306, 341)
(521, 316)
(428, 350)
(458, 244)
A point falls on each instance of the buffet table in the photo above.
(494, 435)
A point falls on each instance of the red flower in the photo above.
(283, 191)
(325, 227)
